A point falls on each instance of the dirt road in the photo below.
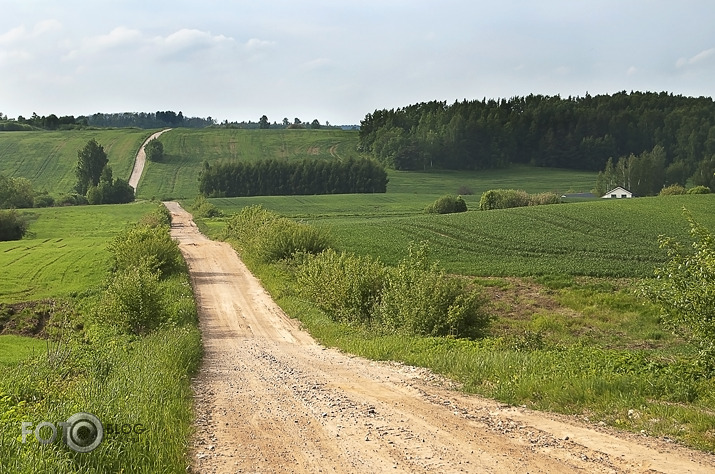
(270, 399)
(140, 161)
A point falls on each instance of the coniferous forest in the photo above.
(284, 177)
(577, 133)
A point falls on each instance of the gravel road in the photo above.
(268, 398)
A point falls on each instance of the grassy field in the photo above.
(13, 349)
(185, 149)
(606, 238)
(48, 159)
(66, 251)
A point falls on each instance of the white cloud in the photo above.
(697, 59)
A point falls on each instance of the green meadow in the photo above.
(65, 252)
(13, 349)
(186, 149)
(48, 159)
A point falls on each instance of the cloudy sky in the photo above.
(337, 60)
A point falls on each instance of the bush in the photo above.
(447, 204)
(133, 301)
(269, 237)
(345, 286)
(672, 190)
(44, 200)
(71, 199)
(158, 218)
(503, 199)
(203, 208)
(154, 150)
(149, 246)
(685, 289)
(542, 199)
(699, 190)
(420, 299)
(282, 238)
(12, 225)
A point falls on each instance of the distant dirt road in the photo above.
(140, 161)
(270, 399)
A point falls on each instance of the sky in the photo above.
(337, 61)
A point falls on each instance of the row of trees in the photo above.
(576, 133)
(281, 177)
(158, 119)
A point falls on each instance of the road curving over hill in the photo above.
(140, 160)
(268, 398)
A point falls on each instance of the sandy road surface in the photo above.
(140, 161)
(269, 399)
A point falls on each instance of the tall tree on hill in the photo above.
(263, 122)
(91, 160)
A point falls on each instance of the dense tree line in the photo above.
(576, 133)
(157, 119)
(281, 177)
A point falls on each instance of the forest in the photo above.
(281, 177)
(575, 133)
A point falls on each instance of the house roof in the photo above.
(617, 190)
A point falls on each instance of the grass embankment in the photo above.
(562, 341)
(132, 372)
(48, 159)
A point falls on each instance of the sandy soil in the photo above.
(140, 161)
(270, 399)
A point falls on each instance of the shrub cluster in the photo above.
(415, 297)
(147, 266)
(282, 177)
(672, 190)
(203, 208)
(268, 237)
(699, 190)
(12, 225)
(507, 198)
(447, 204)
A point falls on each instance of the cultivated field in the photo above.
(65, 252)
(48, 159)
(177, 176)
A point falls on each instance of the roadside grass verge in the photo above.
(566, 343)
(137, 381)
(656, 392)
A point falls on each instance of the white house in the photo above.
(617, 193)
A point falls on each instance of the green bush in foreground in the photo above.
(415, 297)
(685, 289)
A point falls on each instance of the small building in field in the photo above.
(617, 193)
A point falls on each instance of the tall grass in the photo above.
(137, 382)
